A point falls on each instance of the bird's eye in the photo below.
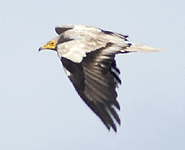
(52, 43)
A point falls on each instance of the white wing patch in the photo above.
(75, 50)
(86, 39)
(74, 53)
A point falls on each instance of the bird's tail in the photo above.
(141, 48)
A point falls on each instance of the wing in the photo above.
(60, 30)
(95, 79)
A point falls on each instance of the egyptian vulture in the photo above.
(87, 54)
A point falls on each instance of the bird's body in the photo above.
(87, 54)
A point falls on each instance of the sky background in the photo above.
(39, 108)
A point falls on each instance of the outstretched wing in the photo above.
(87, 54)
(95, 79)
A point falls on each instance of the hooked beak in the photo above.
(40, 49)
(51, 45)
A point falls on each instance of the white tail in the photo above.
(141, 48)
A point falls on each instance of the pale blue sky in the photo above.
(39, 108)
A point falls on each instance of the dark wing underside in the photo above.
(95, 79)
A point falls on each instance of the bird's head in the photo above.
(51, 45)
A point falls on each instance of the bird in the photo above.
(88, 57)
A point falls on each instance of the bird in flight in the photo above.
(88, 57)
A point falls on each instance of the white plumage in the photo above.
(87, 54)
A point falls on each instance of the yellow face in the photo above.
(50, 45)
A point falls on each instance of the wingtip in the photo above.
(57, 29)
(114, 128)
(60, 30)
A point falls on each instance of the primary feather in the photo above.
(88, 56)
